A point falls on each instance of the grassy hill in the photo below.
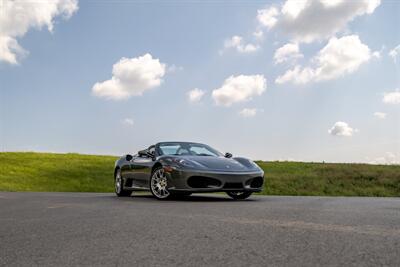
(87, 173)
(56, 172)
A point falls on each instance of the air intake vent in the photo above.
(256, 182)
(203, 182)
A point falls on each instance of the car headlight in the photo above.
(183, 162)
(254, 164)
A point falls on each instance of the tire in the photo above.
(158, 184)
(239, 195)
(119, 185)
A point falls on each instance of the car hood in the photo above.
(217, 163)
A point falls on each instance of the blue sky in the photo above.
(330, 94)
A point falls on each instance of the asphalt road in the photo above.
(71, 229)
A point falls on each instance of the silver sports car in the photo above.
(181, 168)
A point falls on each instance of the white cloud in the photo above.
(380, 115)
(237, 43)
(311, 20)
(339, 57)
(10, 50)
(259, 34)
(173, 68)
(376, 54)
(127, 122)
(395, 53)
(388, 159)
(17, 17)
(239, 89)
(297, 75)
(392, 97)
(288, 52)
(292, 8)
(195, 95)
(268, 17)
(248, 112)
(131, 77)
(341, 128)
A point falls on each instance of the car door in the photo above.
(141, 170)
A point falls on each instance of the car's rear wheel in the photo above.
(119, 185)
(239, 195)
(159, 184)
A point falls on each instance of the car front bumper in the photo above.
(194, 181)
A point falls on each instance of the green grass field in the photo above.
(87, 173)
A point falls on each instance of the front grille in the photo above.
(233, 185)
(203, 182)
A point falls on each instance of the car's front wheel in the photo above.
(119, 185)
(159, 184)
(239, 195)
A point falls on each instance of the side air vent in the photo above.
(128, 182)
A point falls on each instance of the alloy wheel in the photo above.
(118, 182)
(159, 184)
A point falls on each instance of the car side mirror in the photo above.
(228, 155)
(151, 155)
(142, 153)
(128, 157)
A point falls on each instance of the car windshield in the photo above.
(190, 149)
